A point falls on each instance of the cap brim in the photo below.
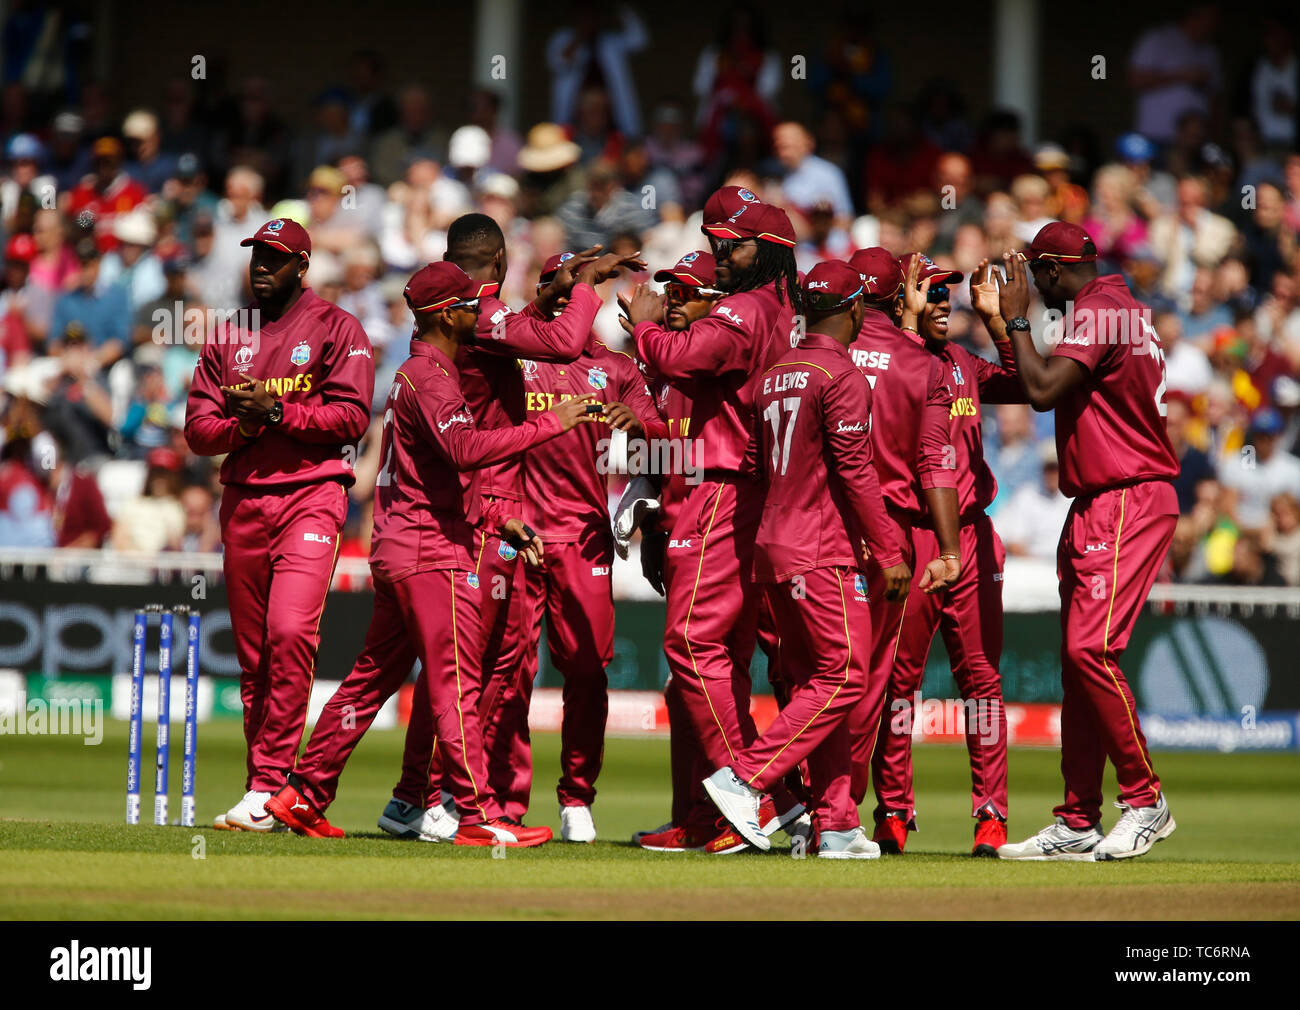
(951, 277)
(682, 275)
(274, 245)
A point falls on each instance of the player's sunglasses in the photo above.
(468, 303)
(937, 294)
(825, 301)
(722, 247)
(678, 292)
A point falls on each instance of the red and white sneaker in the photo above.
(990, 834)
(292, 808)
(891, 834)
(502, 831)
(722, 840)
(665, 839)
(770, 821)
(638, 835)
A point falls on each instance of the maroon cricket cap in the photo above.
(726, 201)
(438, 285)
(697, 268)
(1061, 241)
(283, 234)
(755, 220)
(929, 269)
(882, 276)
(832, 283)
(551, 265)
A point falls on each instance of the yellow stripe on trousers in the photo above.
(844, 610)
(686, 631)
(1105, 638)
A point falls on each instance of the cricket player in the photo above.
(712, 603)
(915, 460)
(565, 488)
(492, 380)
(427, 593)
(969, 614)
(1106, 380)
(284, 398)
(812, 443)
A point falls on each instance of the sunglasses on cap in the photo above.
(679, 291)
(826, 301)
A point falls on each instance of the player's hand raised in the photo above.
(898, 581)
(566, 275)
(984, 292)
(645, 306)
(610, 265)
(521, 537)
(1013, 293)
(578, 411)
(915, 294)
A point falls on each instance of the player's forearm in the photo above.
(325, 423)
(1033, 371)
(704, 351)
(1000, 383)
(535, 336)
(944, 517)
(473, 448)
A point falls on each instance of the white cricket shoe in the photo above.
(799, 830)
(739, 803)
(249, 814)
(1059, 841)
(404, 820)
(847, 845)
(1138, 829)
(576, 824)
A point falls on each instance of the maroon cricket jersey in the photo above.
(972, 381)
(713, 361)
(910, 404)
(315, 359)
(674, 409)
(1110, 429)
(490, 370)
(812, 441)
(565, 488)
(427, 493)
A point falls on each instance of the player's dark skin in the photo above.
(1046, 380)
(842, 325)
(275, 277)
(448, 329)
(734, 260)
(941, 502)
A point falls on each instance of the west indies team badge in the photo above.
(597, 377)
(301, 354)
(472, 579)
(506, 551)
(860, 586)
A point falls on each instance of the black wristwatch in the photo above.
(276, 414)
(1019, 323)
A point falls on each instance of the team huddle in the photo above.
(834, 516)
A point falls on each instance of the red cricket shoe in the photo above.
(502, 831)
(720, 840)
(771, 821)
(666, 839)
(891, 834)
(990, 832)
(291, 809)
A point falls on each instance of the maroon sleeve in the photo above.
(633, 391)
(709, 348)
(999, 382)
(528, 335)
(1080, 341)
(846, 417)
(938, 458)
(450, 426)
(346, 391)
(209, 431)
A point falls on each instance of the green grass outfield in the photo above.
(65, 853)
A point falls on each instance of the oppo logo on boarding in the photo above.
(74, 963)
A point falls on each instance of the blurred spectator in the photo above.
(372, 108)
(1175, 69)
(15, 340)
(69, 158)
(1194, 465)
(79, 412)
(1282, 537)
(998, 155)
(26, 511)
(223, 269)
(485, 112)
(546, 160)
(901, 163)
(1012, 450)
(331, 229)
(1273, 86)
(737, 80)
(365, 201)
(77, 515)
(591, 53)
(202, 532)
(1251, 565)
(132, 266)
(603, 209)
(1269, 245)
(953, 181)
(1031, 193)
(1031, 521)
(1262, 471)
(655, 185)
(809, 180)
(26, 157)
(414, 136)
(187, 196)
(258, 137)
(102, 316)
(147, 425)
(332, 135)
(1114, 225)
(166, 334)
(147, 163)
(105, 194)
(154, 521)
(1187, 368)
(1203, 315)
(671, 148)
(1189, 237)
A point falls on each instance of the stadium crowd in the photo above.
(121, 233)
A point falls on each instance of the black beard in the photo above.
(738, 279)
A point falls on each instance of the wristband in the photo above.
(949, 557)
(909, 329)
